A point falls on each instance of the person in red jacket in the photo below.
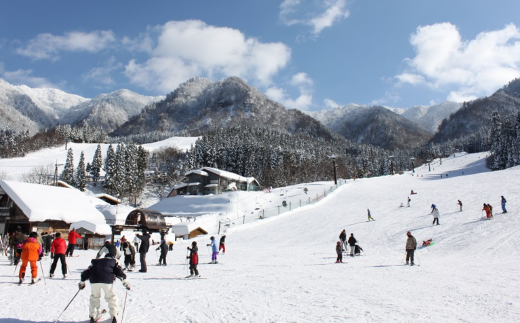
(58, 249)
(72, 242)
(31, 251)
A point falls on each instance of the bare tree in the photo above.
(39, 175)
(5, 177)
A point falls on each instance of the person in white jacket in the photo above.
(435, 213)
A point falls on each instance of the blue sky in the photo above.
(306, 54)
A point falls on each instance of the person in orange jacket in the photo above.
(73, 235)
(31, 251)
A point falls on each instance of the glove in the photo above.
(187, 257)
(126, 284)
(81, 285)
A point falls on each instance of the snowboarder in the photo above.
(101, 274)
(31, 251)
(503, 201)
(73, 236)
(164, 251)
(16, 244)
(435, 213)
(343, 239)
(339, 251)
(370, 218)
(213, 249)
(58, 249)
(460, 205)
(129, 252)
(143, 249)
(411, 245)
(222, 244)
(352, 243)
(194, 259)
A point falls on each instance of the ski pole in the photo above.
(124, 306)
(68, 305)
(186, 263)
(43, 273)
(14, 272)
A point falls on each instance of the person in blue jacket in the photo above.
(503, 201)
(214, 250)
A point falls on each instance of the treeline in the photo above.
(505, 141)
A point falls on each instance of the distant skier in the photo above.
(408, 203)
(435, 213)
(411, 245)
(73, 236)
(31, 251)
(143, 249)
(129, 252)
(460, 205)
(58, 249)
(352, 243)
(213, 249)
(47, 241)
(102, 274)
(339, 252)
(343, 238)
(488, 212)
(194, 259)
(16, 244)
(222, 244)
(170, 246)
(370, 218)
(164, 251)
(503, 201)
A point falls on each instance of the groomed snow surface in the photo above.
(283, 269)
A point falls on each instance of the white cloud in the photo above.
(185, 49)
(331, 104)
(24, 77)
(48, 46)
(102, 74)
(303, 84)
(469, 68)
(335, 10)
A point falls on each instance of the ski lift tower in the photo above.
(334, 166)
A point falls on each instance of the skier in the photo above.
(486, 208)
(213, 249)
(503, 201)
(47, 241)
(222, 244)
(111, 249)
(31, 251)
(370, 218)
(343, 238)
(143, 249)
(129, 252)
(16, 244)
(164, 251)
(435, 213)
(101, 274)
(170, 245)
(339, 251)
(73, 236)
(411, 244)
(460, 205)
(194, 259)
(408, 203)
(352, 243)
(58, 249)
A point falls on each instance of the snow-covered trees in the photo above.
(95, 167)
(68, 170)
(80, 179)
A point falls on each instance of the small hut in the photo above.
(140, 219)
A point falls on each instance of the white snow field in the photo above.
(282, 269)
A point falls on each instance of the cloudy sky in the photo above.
(306, 54)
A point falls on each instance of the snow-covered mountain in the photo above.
(429, 116)
(109, 111)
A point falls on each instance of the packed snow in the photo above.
(282, 269)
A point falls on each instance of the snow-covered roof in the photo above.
(222, 173)
(42, 202)
(108, 196)
(211, 185)
(185, 228)
(97, 228)
(197, 171)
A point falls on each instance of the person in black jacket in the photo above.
(47, 241)
(164, 251)
(339, 251)
(352, 243)
(343, 238)
(101, 274)
(143, 249)
(194, 260)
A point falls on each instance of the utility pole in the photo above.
(334, 166)
(56, 173)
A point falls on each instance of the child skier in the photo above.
(101, 274)
(503, 201)
(194, 259)
(222, 244)
(31, 251)
(164, 251)
(129, 252)
(213, 249)
(435, 213)
(370, 218)
(339, 251)
(460, 205)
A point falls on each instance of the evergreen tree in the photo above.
(110, 169)
(95, 167)
(81, 175)
(497, 149)
(68, 170)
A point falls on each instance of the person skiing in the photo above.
(129, 252)
(222, 244)
(408, 203)
(411, 245)
(73, 236)
(194, 259)
(339, 251)
(343, 239)
(143, 249)
(435, 213)
(47, 241)
(16, 245)
(101, 273)
(31, 251)
(58, 249)
(503, 202)
(164, 251)
(370, 218)
(213, 249)
(460, 205)
(352, 243)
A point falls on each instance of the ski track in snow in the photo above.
(282, 269)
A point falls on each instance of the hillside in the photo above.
(282, 269)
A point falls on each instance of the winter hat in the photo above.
(58, 234)
(33, 234)
(338, 242)
(194, 243)
(212, 238)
